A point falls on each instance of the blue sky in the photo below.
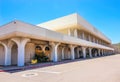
(103, 14)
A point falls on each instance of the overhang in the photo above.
(21, 29)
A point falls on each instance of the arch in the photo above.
(38, 49)
(21, 43)
(48, 51)
(59, 50)
(87, 53)
(29, 52)
(67, 52)
(14, 54)
(78, 52)
(47, 48)
(2, 55)
(94, 52)
(5, 53)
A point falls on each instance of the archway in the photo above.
(87, 53)
(78, 52)
(29, 52)
(59, 49)
(94, 52)
(14, 54)
(67, 53)
(2, 55)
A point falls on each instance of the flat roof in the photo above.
(22, 29)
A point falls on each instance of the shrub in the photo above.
(41, 57)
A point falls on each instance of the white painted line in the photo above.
(45, 71)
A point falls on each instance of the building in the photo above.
(68, 37)
(116, 48)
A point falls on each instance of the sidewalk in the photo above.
(13, 69)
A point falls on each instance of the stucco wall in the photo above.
(63, 31)
(29, 52)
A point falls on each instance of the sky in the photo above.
(102, 14)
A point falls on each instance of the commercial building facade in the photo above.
(68, 37)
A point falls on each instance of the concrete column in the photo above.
(75, 33)
(90, 52)
(84, 52)
(63, 57)
(21, 42)
(54, 51)
(9, 46)
(72, 47)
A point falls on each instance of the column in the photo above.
(84, 52)
(90, 53)
(21, 42)
(75, 33)
(9, 46)
(72, 47)
(54, 51)
(63, 53)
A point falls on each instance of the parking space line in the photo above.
(45, 71)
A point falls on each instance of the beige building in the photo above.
(68, 37)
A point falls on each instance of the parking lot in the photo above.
(102, 69)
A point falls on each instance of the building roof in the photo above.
(73, 20)
(21, 29)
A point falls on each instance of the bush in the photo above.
(41, 57)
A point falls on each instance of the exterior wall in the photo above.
(80, 34)
(92, 37)
(63, 31)
(29, 52)
(71, 21)
(24, 48)
(2, 55)
(67, 53)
